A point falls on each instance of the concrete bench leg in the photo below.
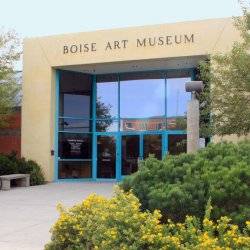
(5, 184)
(25, 182)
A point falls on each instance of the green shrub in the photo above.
(7, 166)
(32, 168)
(10, 164)
(119, 224)
(181, 185)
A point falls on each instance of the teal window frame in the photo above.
(118, 134)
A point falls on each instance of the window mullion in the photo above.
(119, 103)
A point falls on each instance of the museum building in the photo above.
(96, 103)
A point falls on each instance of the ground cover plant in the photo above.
(119, 223)
(10, 164)
(181, 185)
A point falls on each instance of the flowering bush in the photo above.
(100, 223)
(118, 223)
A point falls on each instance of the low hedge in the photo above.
(118, 223)
(181, 185)
(10, 164)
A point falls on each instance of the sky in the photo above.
(32, 18)
(46, 17)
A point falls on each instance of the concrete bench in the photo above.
(23, 180)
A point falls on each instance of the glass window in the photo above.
(74, 169)
(177, 99)
(106, 157)
(107, 97)
(177, 144)
(75, 95)
(143, 124)
(75, 146)
(130, 153)
(142, 95)
(152, 145)
(106, 126)
(74, 125)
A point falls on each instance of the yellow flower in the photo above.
(207, 222)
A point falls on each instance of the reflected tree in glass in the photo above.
(103, 113)
(181, 123)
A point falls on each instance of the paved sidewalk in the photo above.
(27, 214)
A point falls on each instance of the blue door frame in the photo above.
(118, 138)
(118, 135)
(141, 145)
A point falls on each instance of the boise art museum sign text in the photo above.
(168, 40)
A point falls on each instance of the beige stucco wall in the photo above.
(42, 55)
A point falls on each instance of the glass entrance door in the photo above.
(152, 144)
(106, 123)
(135, 147)
(106, 156)
(130, 145)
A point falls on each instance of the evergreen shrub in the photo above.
(10, 164)
(181, 185)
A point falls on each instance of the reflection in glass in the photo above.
(152, 145)
(143, 124)
(75, 105)
(106, 157)
(107, 97)
(74, 169)
(130, 153)
(75, 94)
(106, 126)
(142, 95)
(143, 106)
(177, 99)
(74, 125)
(75, 146)
(177, 123)
(177, 144)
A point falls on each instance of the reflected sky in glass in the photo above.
(142, 98)
(106, 126)
(177, 97)
(76, 105)
(107, 94)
